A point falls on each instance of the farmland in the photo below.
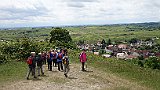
(89, 33)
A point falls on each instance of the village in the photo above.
(124, 50)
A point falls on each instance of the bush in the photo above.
(102, 51)
(19, 49)
(152, 62)
(2, 59)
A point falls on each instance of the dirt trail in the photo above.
(77, 80)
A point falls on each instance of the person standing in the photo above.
(59, 60)
(44, 57)
(83, 59)
(31, 65)
(40, 59)
(55, 58)
(49, 60)
(65, 61)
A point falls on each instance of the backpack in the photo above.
(80, 55)
(48, 56)
(65, 60)
(60, 56)
(54, 56)
(29, 60)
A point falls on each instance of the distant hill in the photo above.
(150, 24)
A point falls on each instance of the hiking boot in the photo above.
(38, 75)
(66, 75)
(35, 77)
(84, 70)
(27, 78)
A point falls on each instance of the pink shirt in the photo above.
(83, 57)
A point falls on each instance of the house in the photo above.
(106, 55)
(132, 55)
(144, 53)
(122, 46)
(157, 54)
(96, 53)
(108, 51)
(121, 55)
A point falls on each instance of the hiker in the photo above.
(59, 60)
(83, 59)
(55, 58)
(49, 60)
(65, 51)
(44, 57)
(40, 59)
(32, 65)
(65, 61)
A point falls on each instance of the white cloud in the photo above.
(72, 12)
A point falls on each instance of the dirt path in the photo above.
(77, 80)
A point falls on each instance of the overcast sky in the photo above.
(19, 13)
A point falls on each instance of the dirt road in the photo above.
(92, 80)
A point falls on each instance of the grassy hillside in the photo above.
(143, 76)
(13, 71)
(90, 33)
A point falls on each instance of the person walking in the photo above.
(40, 59)
(59, 60)
(31, 65)
(83, 58)
(65, 61)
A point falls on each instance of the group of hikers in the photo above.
(52, 58)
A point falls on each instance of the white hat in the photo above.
(39, 53)
(32, 52)
(58, 51)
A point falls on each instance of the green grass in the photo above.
(147, 77)
(12, 71)
(90, 34)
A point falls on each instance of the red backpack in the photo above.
(60, 56)
(29, 60)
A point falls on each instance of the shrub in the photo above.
(152, 62)
(2, 59)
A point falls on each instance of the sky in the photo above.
(32, 13)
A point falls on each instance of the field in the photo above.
(88, 33)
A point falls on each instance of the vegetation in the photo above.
(126, 70)
(90, 34)
(12, 71)
(61, 38)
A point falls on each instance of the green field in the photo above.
(88, 33)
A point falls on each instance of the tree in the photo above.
(60, 37)
(133, 40)
(109, 42)
(103, 44)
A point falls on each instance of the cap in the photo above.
(32, 52)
